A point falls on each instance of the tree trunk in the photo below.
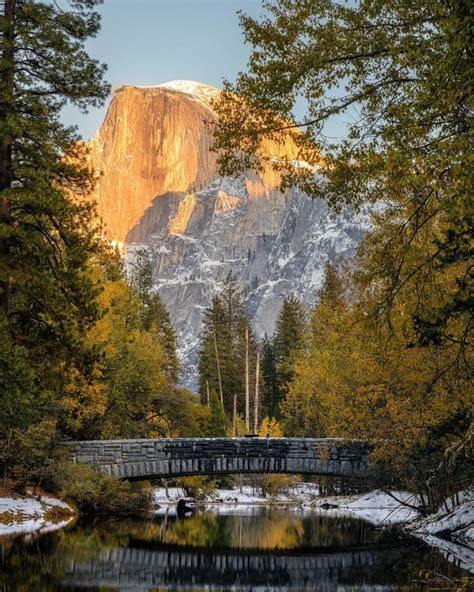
(6, 142)
(247, 386)
(234, 417)
(257, 393)
(218, 369)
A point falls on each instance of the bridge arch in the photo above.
(180, 457)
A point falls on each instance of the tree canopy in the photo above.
(400, 74)
(390, 351)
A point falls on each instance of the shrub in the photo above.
(274, 484)
(197, 487)
(95, 493)
(32, 454)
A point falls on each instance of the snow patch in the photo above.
(377, 506)
(29, 514)
(455, 520)
(199, 91)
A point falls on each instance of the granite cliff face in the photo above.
(155, 141)
(159, 188)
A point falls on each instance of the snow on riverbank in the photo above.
(376, 507)
(457, 520)
(303, 494)
(22, 515)
(451, 529)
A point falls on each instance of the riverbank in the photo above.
(450, 530)
(32, 514)
(376, 507)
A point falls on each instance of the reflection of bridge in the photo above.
(187, 568)
(174, 457)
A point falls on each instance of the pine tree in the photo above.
(331, 301)
(288, 343)
(218, 424)
(225, 347)
(48, 243)
(141, 275)
(154, 314)
(43, 66)
(269, 378)
(162, 326)
(332, 288)
(47, 237)
(214, 333)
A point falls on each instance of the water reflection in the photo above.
(269, 550)
(263, 528)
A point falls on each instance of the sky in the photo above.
(148, 42)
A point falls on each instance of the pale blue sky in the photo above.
(148, 42)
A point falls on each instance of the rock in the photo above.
(182, 509)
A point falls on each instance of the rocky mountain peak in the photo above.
(159, 188)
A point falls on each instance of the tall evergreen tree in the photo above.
(47, 237)
(331, 301)
(155, 316)
(300, 405)
(332, 288)
(288, 343)
(140, 275)
(211, 359)
(224, 348)
(270, 397)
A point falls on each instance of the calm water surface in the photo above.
(262, 550)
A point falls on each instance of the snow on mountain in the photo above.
(274, 247)
(202, 92)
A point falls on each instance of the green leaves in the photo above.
(399, 74)
(48, 295)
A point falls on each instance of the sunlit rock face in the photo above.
(153, 141)
(159, 188)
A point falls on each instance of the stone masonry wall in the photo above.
(176, 457)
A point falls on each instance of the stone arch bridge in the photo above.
(178, 457)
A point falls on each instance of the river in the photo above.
(260, 549)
